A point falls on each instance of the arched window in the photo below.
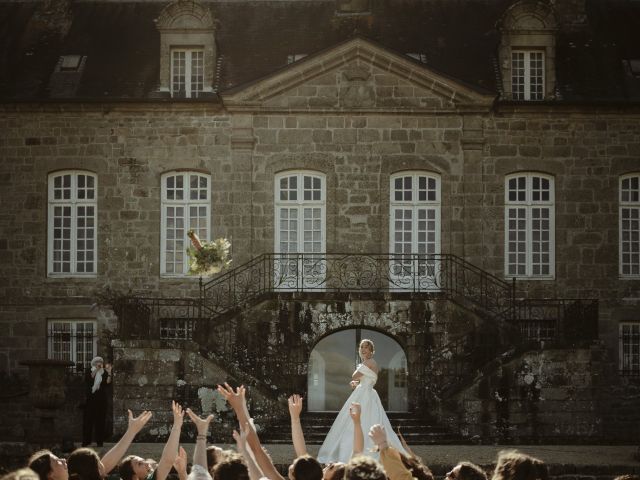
(414, 230)
(527, 51)
(186, 205)
(72, 223)
(300, 203)
(529, 225)
(630, 225)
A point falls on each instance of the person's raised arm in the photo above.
(180, 464)
(295, 408)
(113, 456)
(389, 456)
(171, 447)
(202, 426)
(241, 444)
(238, 402)
(358, 436)
(405, 445)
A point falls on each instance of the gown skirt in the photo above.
(338, 445)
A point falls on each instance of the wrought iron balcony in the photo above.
(348, 272)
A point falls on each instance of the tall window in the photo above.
(630, 225)
(73, 210)
(187, 73)
(414, 228)
(300, 219)
(529, 226)
(630, 348)
(73, 340)
(185, 206)
(527, 74)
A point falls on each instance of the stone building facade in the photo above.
(483, 227)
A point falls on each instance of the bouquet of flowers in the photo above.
(207, 258)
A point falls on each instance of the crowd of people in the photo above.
(346, 454)
(250, 461)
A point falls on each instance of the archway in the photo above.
(333, 360)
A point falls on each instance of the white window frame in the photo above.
(186, 202)
(74, 203)
(299, 204)
(427, 277)
(529, 204)
(628, 350)
(188, 71)
(629, 201)
(528, 77)
(73, 352)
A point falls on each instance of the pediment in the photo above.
(357, 76)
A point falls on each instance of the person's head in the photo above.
(214, 456)
(513, 465)
(364, 468)
(231, 468)
(85, 464)
(21, 474)
(97, 363)
(305, 467)
(133, 467)
(333, 471)
(48, 466)
(418, 469)
(366, 349)
(466, 471)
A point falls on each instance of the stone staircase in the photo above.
(415, 429)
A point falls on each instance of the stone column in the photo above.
(471, 247)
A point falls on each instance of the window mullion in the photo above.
(187, 73)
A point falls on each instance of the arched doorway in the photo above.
(333, 360)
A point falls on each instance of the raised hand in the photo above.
(241, 437)
(235, 398)
(354, 412)
(137, 423)
(295, 406)
(378, 435)
(180, 464)
(202, 424)
(178, 413)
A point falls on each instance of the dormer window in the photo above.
(187, 50)
(421, 57)
(527, 52)
(187, 73)
(70, 63)
(527, 74)
(295, 57)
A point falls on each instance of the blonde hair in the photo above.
(366, 341)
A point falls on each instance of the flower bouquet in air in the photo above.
(207, 258)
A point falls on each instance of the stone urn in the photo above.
(47, 396)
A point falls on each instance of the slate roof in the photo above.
(254, 38)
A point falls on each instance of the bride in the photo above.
(338, 445)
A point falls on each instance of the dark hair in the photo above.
(84, 464)
(231, 468)
(20, 474)
(418, 469)
(471, 471)
(364, 468)
(40, 462)
(214, 456)
(125, 468)
(338, 472)
(305, 467)
(513, 465)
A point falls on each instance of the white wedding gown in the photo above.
(338, 445)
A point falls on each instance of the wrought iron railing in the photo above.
(563, 321)
(415, 273)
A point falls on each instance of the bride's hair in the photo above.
(366, 341)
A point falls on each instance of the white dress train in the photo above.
(338, 445)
